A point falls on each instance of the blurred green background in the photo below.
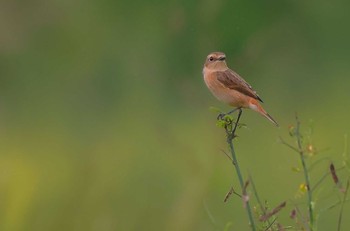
(105, 120)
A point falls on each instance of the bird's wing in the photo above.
(232, 80)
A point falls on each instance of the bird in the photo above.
(229, 87)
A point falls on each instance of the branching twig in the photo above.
(229, 193)
(288, 145)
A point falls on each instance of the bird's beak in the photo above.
(222, 58)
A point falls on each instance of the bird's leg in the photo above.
(221, 115)
(232, 111)
(236, 124)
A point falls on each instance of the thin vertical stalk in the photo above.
(342, 205)
(230, 132)
(240, 178)
(306, 174)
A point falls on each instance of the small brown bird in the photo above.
(228, 87)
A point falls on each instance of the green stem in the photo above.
(306, 174)
(230, 132)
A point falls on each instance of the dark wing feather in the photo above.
(233, 81)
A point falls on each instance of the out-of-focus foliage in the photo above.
(104, 120)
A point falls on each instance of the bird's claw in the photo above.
(221, 116)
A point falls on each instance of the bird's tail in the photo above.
(255, 106)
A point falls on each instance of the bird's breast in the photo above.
(223, 93)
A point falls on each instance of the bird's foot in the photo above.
(221, 116)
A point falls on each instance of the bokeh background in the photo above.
(105, 120)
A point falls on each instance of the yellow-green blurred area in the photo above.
(105, 120)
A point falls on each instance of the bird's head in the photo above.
(216, 61)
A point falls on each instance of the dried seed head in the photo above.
(333, 173)
(293, 214)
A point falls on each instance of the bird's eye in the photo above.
(211, 58)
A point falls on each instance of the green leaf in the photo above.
(228, 118)
(221, 123)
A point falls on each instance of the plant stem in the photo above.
(306, 174)
(342, 204)
(230, 132)
(241, 182)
